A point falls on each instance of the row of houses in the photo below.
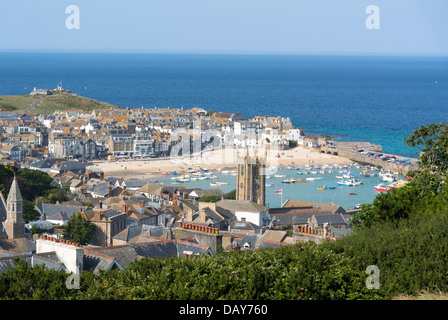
(134, 132)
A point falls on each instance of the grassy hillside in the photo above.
(49, 104)
(18, 103)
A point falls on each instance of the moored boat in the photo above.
(381, 188)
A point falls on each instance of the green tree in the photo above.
(38, 181)
(209, 198)
(432, 141)
(231, 195)
(78, 229)
(55, 195)
(29, 212)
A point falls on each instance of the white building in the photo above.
(245, 210)
(294, 134)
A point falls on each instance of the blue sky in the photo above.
(408, 27)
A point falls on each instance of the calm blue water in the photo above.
(377, 99)
(301, 191)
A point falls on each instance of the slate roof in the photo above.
(245, 226)
(49, 259)
(3, 216)
(52, 210)
(269, 244)
(331, 219)
(46, 163)
(73, 166)
(240, 205)
(250, 239)
(18, 245)
(200, 192)
(333, 208)
(294, 215)
(95, 262)
(134, 183)
(126, 254)
(211, 217)
(161, 249)
(274, 235)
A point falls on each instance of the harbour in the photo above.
(310, 183)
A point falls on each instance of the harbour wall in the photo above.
(377, 162)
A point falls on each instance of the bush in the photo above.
(412, 256)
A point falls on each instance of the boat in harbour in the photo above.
(388, 177)
(346, 183)
(381, 188)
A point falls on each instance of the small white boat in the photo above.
(347, 183)
(387, 177)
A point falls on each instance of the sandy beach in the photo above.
(211, 160)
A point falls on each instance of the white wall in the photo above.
(253, 217)
(70, 255)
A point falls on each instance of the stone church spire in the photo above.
(14, 192)
(14, 224)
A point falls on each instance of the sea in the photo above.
(380, 99)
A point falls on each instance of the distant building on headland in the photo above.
(40, 92)
(47, 92)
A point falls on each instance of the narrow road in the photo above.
(35, 104)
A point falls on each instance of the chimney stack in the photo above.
(96, 214)
(202, 216)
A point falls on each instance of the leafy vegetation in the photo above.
(303, 271)
(78, 229)
(231, 195)
(209, 198)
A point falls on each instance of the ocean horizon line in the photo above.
(230, 53)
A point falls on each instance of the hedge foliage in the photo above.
(302, 271)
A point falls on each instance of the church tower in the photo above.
(14, 224)
(251, 180)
